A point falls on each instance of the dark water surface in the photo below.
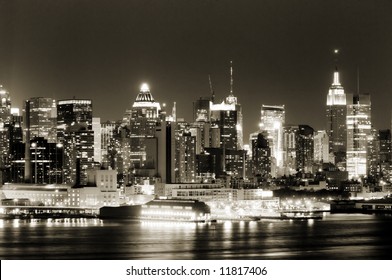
(336, 236)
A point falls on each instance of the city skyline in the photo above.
(94, 50)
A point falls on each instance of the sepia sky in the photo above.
(282, 53)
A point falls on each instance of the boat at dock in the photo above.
(177, 210)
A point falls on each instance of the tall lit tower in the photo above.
(5, 118)
(272, 121)
(141, 120)
(74, 132)
(336, 119)
(5, 105)
(358, 134)
(41, 113)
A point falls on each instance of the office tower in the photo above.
(108, 139)
(321, 146)
(227, 116)
(74, 132)
(271, 122)
(17, 154)
(5, 118)
(358, 134)
(46, 161)
(141, 121)
(224, 117)
(385, 156)
(41, 118)
(72, 112)
(290, 138)
(185, 157)
(373, 155)
(96, 127)
(336, 120)
(304, 147)
(261, 156)
(201, 109)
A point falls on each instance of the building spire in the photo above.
(174, 112)
(336, 80)
(211, 89)
(231, 78)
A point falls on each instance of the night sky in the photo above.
(282, 53)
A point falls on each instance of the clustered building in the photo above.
(59, 142)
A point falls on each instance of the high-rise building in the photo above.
(46, 161)
(290, 138)
(71, 112)
(304, 147)
(261, 156)
(41, 118)
(385, 155)
(336, 120)
(108, 140)
(321, 146)
(358, 134)
(96, 127)
(74, 132)
(201, 109)
(5, 118)
(373, 154)
(227, 116)
(141, 120)
(271, 122)
(224, 117)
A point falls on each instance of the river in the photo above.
(336, 236)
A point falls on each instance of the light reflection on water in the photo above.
(338, 236)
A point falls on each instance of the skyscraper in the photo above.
(228, 117)
(385, 155)
(272, 121)
(290, 139)
(261, 156)
(141, 120)
(40, 118)
(5, 118)
(358, 134)
(336, 120)
(304, 149)
(321, 146)
(74, 132)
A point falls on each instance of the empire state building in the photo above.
(336, 119)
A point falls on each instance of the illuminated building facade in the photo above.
(272, 122)
(201, 110)
(385, 155)
(5, 118)
(17, 156)
(304, 149)
(185, 158)
(40, 118)
(321, 146)
(261, 156)
(358, 134)
(290, 138)
(141, 121)
(227, 116)
(71, 112)
(336, 120)
(96, 127)
(373, 155)
(74, 132)
(108, 144)
(46, 161)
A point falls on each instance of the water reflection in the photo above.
(335, 237)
